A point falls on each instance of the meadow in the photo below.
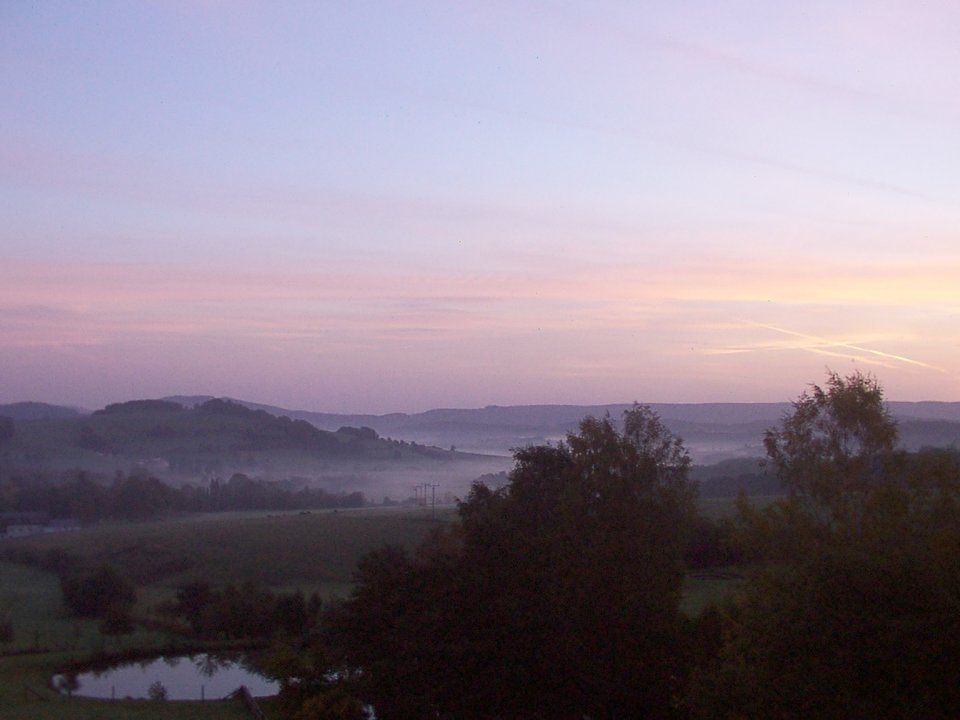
(310, 551)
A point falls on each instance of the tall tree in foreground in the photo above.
(556, 596)
(855, 612)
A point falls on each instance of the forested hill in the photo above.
(38, 411)
(199, 435)
(212, 438)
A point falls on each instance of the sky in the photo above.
(394, 206)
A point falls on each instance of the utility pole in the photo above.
(433, 497)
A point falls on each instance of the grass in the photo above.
(724, 507)
(701, 589)
(315, 551)
(714, 586)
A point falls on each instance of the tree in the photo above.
(557, 595)
(290, 614)
(308, 688)
(6, 629)
(140, 496)
(92, 594)
(116, 620)
(829, 448)
(624, 517)
(853, 612)
(7, 428)
(191, 603)
(332, 704)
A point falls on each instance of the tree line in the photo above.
(243, 611)
(138, 496)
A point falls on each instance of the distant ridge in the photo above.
(191, 401)
(712, 431)
(39, 411)
(723, 413)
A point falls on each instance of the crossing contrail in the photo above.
(822, 345)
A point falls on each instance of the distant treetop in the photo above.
(138, 406)
(222, 406)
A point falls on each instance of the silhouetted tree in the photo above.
(829, 450)
(6, 629)
(308, 690)
(242, 612)
(140, 496)
(557, 595)
(91, 594)
(855, 609)
(191, 602)
(116, 620)
(90, 439)
(7, 428)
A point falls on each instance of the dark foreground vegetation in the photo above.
(558, 596)
(561, 593)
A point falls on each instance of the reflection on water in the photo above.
(185, 677)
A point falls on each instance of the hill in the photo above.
(38, 411)
(190, 438)
(217, 438)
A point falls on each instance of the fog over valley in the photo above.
(197, 439)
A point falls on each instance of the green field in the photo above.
(308, 550)
(723, 507)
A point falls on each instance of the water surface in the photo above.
(186, 677)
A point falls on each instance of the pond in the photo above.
(187, 677)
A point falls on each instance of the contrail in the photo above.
(824, 343)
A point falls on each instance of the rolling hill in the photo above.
(195, 438)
